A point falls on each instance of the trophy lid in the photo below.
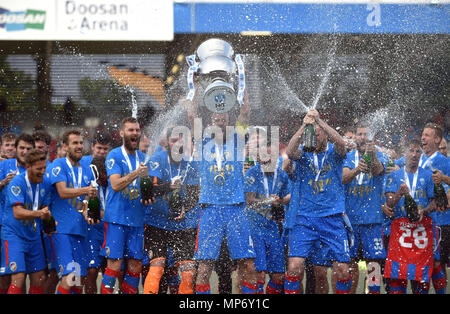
(214, 47)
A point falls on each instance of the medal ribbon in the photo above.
(316, 163)
(266, 183)
(423, 163)
(76, 182)
(35, 200)
(170, 168)
(412, 189)
(360, 176)
(127, 159)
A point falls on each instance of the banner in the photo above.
(86, 20)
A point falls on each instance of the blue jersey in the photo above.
(85, 161)
(18, 193)
(422, 195)
(277, 183)
(221, 186)
(124, 207)
(363, 196)
(400, 162)
(318, 190)
(440, 162)
(65, 211)
(162, 168)
(6, 167)
(435, 161)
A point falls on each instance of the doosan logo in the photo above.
(22, 20)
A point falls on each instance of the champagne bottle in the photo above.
(277, 212)
(175, 202)
(439, 195)
(49, 225)
(309, 138)
(94, 208)
(390, 163)
(412, 211)
(146, 186)
(94, 205)
(368, 158)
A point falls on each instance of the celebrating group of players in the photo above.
(328, 207)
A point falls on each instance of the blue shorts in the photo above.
(320, 255)
(327, 233)
(50, 253)
(20, 256)
(368, 239)
(217, 222)
(71, 254)
(269, 249)
(123, 242)
(94, 258)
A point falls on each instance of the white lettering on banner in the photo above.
(116, 19)
(87, 25)
(374, 17)
(93, 17)
(94, 8)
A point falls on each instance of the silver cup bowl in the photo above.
(214, 47)
(217, 71)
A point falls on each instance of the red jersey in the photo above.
(410, 254)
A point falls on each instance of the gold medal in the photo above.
(315, 188)
(219, 179)
(134, 193)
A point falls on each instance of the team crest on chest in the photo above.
(16, 190)
(154, 165)
(56, 170)
(110, 163)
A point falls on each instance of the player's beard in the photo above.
(361, 147)
(36, 177)
(21, 160)
(74, 156)
(128, 143)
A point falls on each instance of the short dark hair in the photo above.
(65, 137)
(103, 138)
(34, 155)
(437, 129)
(25, 138)
(99, 162)
(362, 125)
(410, 142)
(127, 120)
(42, 136)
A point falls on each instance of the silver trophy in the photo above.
(221, 75)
